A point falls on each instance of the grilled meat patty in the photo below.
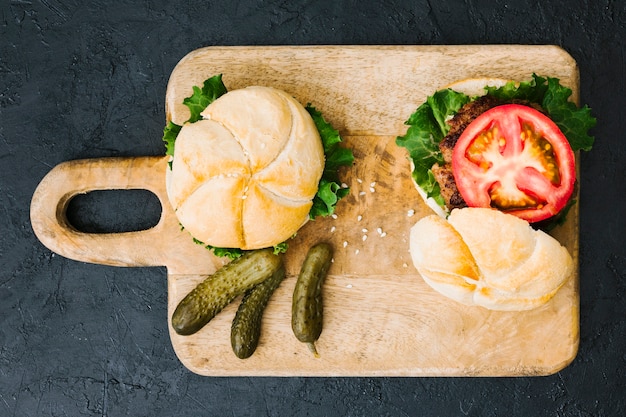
(462, 119)
(443, 173)
(449, 191)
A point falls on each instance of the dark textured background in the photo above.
(81, 79)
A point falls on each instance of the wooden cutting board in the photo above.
(380, 317)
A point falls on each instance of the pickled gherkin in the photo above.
(218, 290)
(307, 306)
(246, 328)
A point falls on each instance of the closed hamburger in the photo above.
(246, 170)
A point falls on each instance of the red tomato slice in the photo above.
(514, 158)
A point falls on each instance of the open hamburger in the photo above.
(502, 144)
(496, 161)
(250, 167)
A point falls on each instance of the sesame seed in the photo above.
(345, 243)
(379, 230)
(372, 190)
(334, 216)
(359, 218)
(364, 238)
(332, 229)
(349, 286)
(364, 230)
(359, 180)
(410, 213)
(356, 252)
(362, 193)
(373, 184)
(383, 234)
(344, 185)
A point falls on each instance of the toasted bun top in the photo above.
(245, 175)
(481, 256)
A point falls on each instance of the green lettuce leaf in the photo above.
(554, 98)
(427, 126)
(230, 253)
(533, 90)
(234, 253)
(212, 89)
(329, 191)
(170, 132)
(573, 121)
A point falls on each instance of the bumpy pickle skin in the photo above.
(246, 328)
(307, 306)
(218, 290)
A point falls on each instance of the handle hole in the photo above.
(114, 211)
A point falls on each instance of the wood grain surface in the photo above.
(380, 317)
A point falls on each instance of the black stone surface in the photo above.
(85, 79)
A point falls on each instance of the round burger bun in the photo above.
(484, 257)
(245, 175)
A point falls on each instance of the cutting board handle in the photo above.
(66, 180)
